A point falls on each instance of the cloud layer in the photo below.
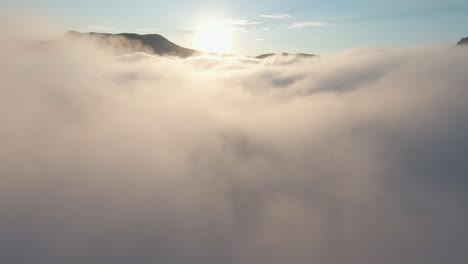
(358, 157)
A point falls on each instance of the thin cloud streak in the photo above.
(241, 22)
(299, 25)
(276, 16)
(235, 25)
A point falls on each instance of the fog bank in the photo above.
(358, 157)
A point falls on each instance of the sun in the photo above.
(214, 35)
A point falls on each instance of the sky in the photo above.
(270, 26)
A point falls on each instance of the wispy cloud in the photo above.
(259, 39)
(276, 16)
(101, 28)
(309, 24)
(240, 22)
(260, 29)
(234, 25)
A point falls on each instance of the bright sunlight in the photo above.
(214, 35)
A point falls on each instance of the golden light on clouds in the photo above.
(214, 35)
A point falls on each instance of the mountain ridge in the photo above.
(132, 42)
(463, 41)
(155, 44)
(159, 45)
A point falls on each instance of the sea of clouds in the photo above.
(357, 158)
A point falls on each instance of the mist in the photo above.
(356, 157)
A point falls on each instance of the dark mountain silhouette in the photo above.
(157, 44)
(154, 44)
(463, 41)
(129, 42)
(285, 54)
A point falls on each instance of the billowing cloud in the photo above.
(276, 16)
(309, 24)
(358, 157)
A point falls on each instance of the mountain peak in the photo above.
(131, 42)
(463, 41)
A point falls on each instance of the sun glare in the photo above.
(214, 36)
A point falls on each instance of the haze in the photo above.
(111, 157)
